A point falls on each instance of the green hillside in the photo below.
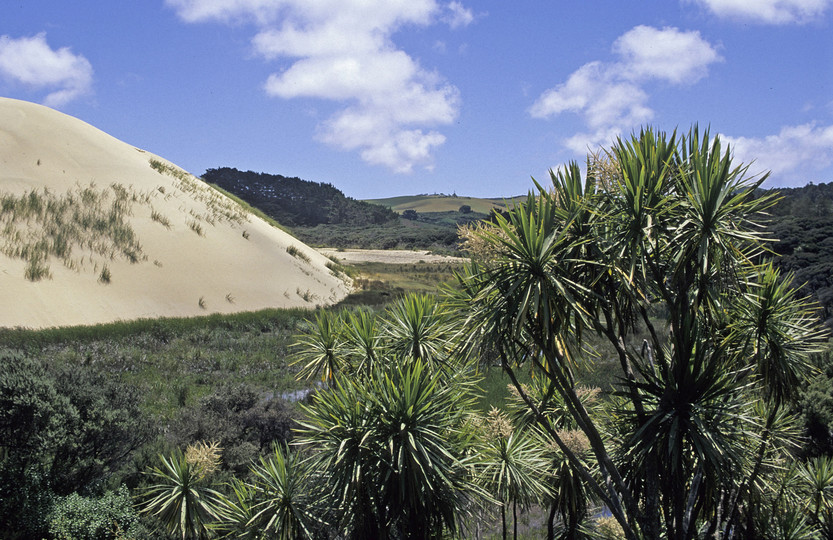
(441, 203)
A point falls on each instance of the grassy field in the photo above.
(441, 203)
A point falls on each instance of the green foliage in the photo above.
(417, 326)
(286, 504)
(32, 414)
(102, 432)
(660, 224)
(392, 447)
(440, 237)
(63, 429)
(377, 284)
(817, 406)
(388, 434)
(320, 348)
(439, 202)
(240, 420)
(179, 497)
(108, 517)
(802, 226)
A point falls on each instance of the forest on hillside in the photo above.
(319, 214)
(293, 202)
(802, 224)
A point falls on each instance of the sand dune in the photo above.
(171, 244)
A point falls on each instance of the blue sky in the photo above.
(394, 97)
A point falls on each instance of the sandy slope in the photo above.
(179, 269)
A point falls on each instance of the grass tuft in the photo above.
(159, 218)
(195, 226)
(105, 276)
(298, 254)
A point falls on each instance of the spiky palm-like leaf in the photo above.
(390, 445)
(362, 341)
(321, 349)
(417, 326)
(513, 468)
(775, 331)
(285, 506)
(180, 498)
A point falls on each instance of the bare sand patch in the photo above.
(393, 256)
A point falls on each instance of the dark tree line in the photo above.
(295, 202)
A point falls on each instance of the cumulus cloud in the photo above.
(343, 51)
(611, 97)
(31, 61)
(768, 11)
(794, 156)
(669, 54)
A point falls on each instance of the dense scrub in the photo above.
(295, 202)
(802, 223)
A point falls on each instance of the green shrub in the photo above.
(107, 517)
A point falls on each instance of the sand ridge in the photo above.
(200, 253)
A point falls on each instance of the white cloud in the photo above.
(794, 156)
(30, 60)
(667, 54)
(458, 15)
(226, 10)
(768, 11)
(610, 97)
(343, 51)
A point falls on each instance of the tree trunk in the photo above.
(503, 518)
(551, 523)
(515, 519)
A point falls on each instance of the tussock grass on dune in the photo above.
(219, 208)
(77, 227)
(87, 226)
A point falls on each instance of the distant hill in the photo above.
(293, 202)
(802, 223)
(320, 214)
(442, 203)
